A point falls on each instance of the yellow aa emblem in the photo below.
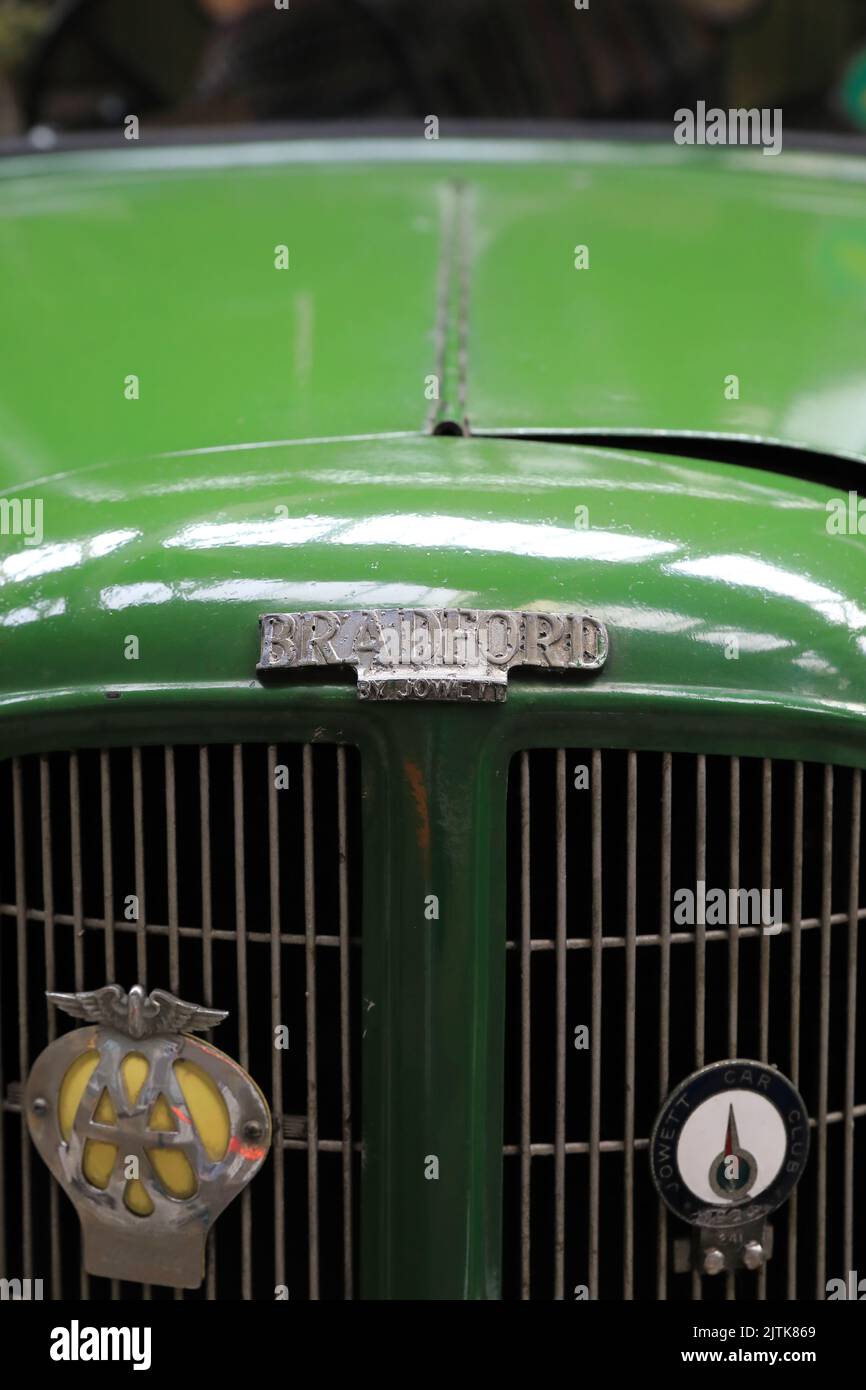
(150, 1131)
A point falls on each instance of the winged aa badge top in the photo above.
(150, 1131)
(138, 1014)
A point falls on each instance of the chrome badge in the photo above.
(728, 1148)
(432, 653)
(150, 1131)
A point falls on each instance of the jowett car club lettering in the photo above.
(728, 1147)
(433, 654)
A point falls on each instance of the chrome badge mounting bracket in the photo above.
(150, 1131)
(728, 1147)
(432, 653)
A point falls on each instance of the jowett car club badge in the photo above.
(727, 1149)
(432, 654)
(150, 1131)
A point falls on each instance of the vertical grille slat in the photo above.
(525, 1016)
(107, 903)
(733, 937)
(276, 1010)
(23, 1029)
(561, 936)
(171, 873)
(312, 1052)
(107, 862)
(664, 996)
(630, 1004)
(766, 883)
(733, 933)
(595, 1029)
(700, 930)
(794, 1004)
(764, 962)
(51, 984)
(243, 859)
(700, 941)
(207, 952)
(138, 831)
(242, 994)
(664, 993)
(824, 1031)
(75, 858)
(171, 857)
(47, 889)
(345, 1025)
(851, 1015)
(77, 918)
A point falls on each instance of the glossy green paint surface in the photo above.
(172, 278)
(174, 518)
(160, 263)
(754, 269)
(678, 557)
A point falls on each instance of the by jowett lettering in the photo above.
(420, 688)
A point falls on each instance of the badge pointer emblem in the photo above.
(733, 1171)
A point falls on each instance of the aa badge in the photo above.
(150, 1131)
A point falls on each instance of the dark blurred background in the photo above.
(81, 65)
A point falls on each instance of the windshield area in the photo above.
(82, 65)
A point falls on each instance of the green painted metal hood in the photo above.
(160, 263)
(278, 456)
(700, 271)
(680, 558)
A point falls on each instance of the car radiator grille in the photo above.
(592, 939)
(248, 898)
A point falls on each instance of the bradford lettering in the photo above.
(432, 654)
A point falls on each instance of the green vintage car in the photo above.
(583, 423)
